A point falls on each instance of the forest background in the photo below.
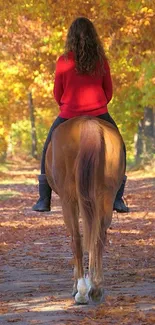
(32, 35)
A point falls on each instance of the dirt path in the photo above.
(36, 260)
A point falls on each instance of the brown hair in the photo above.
(83, 41)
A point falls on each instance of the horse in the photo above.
(85, 166)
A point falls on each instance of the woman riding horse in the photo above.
(83, 87)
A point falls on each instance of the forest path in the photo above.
(36, 261)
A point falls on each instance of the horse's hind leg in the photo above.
(70, 213)
(96, 276)
(96, 253)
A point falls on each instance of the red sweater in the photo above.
(81, 94)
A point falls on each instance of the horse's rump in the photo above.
(87, 166)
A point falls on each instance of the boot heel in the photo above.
(44, 202)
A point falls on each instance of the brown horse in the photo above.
(85, 165)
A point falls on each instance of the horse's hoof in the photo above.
(81, 300)
(96, 295)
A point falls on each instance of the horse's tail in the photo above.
(87, 165)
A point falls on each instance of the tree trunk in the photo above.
(138, 139)
(145, 137)
(154, 124)
(33, 128)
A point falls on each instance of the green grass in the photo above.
(18, 172)
(4, 167)
(5, 195)
(9, 180)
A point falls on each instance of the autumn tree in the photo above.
(32, 37)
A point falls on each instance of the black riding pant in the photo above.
(60, 120)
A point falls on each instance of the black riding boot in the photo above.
(119, 204)
(44, 202)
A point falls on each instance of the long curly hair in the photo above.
(83, 40)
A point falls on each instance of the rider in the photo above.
(82, 86)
